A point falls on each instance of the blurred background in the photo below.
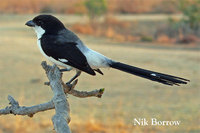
(160, 35)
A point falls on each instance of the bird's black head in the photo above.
(48, 23)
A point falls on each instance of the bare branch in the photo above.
(69, 89)
(61, 118)
(15, 109)
(83, 94)
(59, 101)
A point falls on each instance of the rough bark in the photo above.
(59, 100)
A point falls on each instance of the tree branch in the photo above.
(61, 118)
(15, 109)
(82, 94)
(59, 101)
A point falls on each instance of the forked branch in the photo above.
(59, 100)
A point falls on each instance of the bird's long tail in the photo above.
(151, 75)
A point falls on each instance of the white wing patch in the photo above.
(63, 60)
(153, 74)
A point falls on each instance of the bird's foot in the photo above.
(70, 82)
(73, 78)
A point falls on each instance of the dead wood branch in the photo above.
(59, 100)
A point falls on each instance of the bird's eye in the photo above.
(40, 22)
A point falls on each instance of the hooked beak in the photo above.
(30, 23)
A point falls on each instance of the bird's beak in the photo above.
(30, 23)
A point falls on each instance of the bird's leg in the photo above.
(66, 69)
(78, 73)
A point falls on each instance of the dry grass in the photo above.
(126, 96)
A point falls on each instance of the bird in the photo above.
(64, 48)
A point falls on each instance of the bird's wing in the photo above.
(65, 52)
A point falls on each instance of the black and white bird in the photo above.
(62, 47)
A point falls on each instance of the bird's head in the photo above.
(46, 24)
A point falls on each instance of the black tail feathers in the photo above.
(154, 76)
